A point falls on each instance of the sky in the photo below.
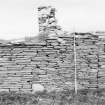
(19, 18)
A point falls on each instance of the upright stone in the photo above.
(48, 27)
(46, 18)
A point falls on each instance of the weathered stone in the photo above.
(52, 63)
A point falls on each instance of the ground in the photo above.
(67, 97)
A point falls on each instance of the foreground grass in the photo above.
(67, 97)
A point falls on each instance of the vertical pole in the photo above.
(75, 64)
(98, 66)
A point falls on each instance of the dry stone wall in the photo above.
(51, 61)
(52, 64)
(87, 61)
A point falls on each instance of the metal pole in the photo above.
(75, 64)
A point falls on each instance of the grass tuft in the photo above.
(66, 97)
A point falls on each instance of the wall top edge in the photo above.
(67, 35)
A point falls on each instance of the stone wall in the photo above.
(50, 62)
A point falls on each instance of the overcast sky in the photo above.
(18, 18)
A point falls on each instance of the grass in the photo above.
(67, 97)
